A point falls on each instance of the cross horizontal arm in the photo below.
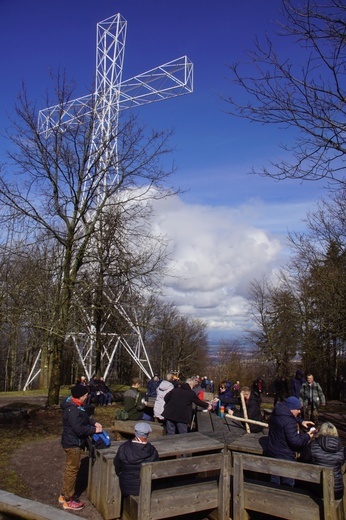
(171, 79)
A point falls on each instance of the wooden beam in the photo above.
(247, 421)
(244, 411)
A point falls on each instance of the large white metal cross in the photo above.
(111, 95)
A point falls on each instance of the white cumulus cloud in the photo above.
(215, 252)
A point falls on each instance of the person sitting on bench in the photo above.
(130, 456)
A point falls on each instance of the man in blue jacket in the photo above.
(77, 427)
(284, 438)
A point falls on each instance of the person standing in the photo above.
(130, 455)
(259, 387)
(178, 407)
(311, 397)
(152, 387)
(280, 389)
(77, 427)
(296, 383)
(284, 438)
(164, 387)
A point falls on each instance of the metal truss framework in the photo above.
(111, 95)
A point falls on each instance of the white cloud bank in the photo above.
(215, 252)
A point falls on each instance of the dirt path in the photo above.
(40, 465)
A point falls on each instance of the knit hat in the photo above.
(293, 403)
(78, 391)
(142, 429)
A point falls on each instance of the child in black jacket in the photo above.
(77, 426)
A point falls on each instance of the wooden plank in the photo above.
(284, 468)
(185, 466)
(224, 504)
(128, 427)
(252, 443)
(271, 501)
(167, 503)
(328, 494)
(204, 422)
(145, 502)
(239, 512)
(186, 443)
(29, 510)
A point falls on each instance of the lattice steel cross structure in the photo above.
(111, 95)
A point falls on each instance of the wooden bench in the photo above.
(13, 506)
(283, 501)
(199, 494)
(120, 428)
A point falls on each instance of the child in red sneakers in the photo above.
(77, 426)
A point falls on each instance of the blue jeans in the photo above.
(282, 480)
(146, 417)
(171, 427)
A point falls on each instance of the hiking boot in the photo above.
(61, 499)
(75, 505)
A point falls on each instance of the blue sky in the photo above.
(228, 227)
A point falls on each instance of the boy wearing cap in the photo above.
(77, 426)
(130, 456)
(284, 438)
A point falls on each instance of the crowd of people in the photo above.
(293, 425)
(98, 392)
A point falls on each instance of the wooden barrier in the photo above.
(13, 506)
(289, 503)
(174, 499)
(128, 428)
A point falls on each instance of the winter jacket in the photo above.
(133, 404)
(317, 395)
(77, 425)
(227, 399)
(328, 451)
(163, 389)
(127, 463)
(284, 440)
(152, 388)
(178, 404)
(253, 407)
(296, 383)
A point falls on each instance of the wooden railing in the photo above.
(239, 484)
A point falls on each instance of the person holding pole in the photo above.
(250, 409)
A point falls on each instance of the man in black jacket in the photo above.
(130, 456)
(77, 426)
(284, 438)
(178, 407)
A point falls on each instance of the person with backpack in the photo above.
(77, 427)
(134, 402)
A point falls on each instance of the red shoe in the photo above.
(61, 499)
(75, 505)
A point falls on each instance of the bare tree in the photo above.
(276, 313)
(60, 189)
(304, 90)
